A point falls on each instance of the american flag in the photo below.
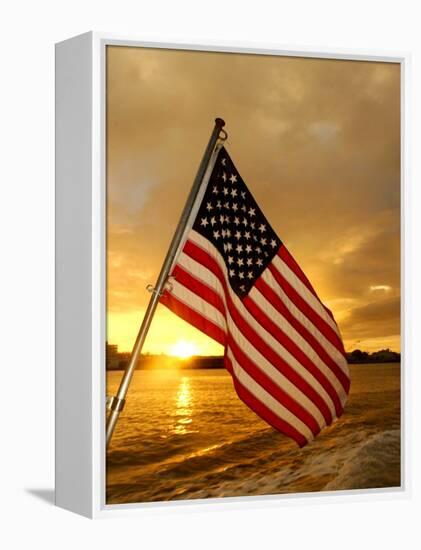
(235, 281)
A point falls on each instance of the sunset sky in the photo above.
(316, 141)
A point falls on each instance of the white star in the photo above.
(209, 206)
(243, 288)
(233, 178)
(226, 204)
(262, 227)
(238, 234)
(239, 248)
(245, 222)
(241, 274)
(248, 249)
(225, 191)
(228, 231)
(243, 194)
(225, 247)
(222, 218)
(236, 220)
(234, 193)
(218, 204)
(215, 190)
(223, 162)
(224, 176)
(229, 246)
(250, 275)
(259, 262)
(227, 220)
(243, 208)
(223, 233)
(234, 206)
(230, 260)
(273, 243)
(263, 241)
(204, 222)
(232, 272)
(252, 212)
(216, 235)
(213, 220)
(249, 261)
(240, 261)
(252, 225)
(247, 235)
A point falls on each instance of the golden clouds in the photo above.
(317, 142)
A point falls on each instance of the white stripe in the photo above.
(270, 402)
(261, 362)
(293, 335)
(199, 271)
(304, 292)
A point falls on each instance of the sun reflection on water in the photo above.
(184, 407)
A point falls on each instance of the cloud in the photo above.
(316, 140)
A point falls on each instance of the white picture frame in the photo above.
(80, 273)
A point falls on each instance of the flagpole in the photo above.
(116, 403)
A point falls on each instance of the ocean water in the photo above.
(184, 434)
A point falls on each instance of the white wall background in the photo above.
(28, 33)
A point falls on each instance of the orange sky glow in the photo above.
(316, 141)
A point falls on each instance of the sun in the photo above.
(183, 349)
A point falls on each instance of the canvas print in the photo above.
(253, 275)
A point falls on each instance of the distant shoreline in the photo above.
(118, 361)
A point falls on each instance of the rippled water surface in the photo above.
(185, 434)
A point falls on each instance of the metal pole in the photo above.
(116, 403)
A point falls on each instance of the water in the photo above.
(185, 434)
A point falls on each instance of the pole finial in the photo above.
(220, 122)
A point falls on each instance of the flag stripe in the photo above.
(307, 340)
(271, 387)
(305, 301)
(267, 344)
(295, 351)
(234, 331)
(286, 256)
(320, 330)
(264, 411)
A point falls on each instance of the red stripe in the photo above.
(264, 412)
(205, 259)
(294, 350)
(279, 305)
(271, 387)
(199, 287)
(193, 317)
(307, 310)
(284, 254)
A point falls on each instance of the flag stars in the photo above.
(229, 247)
(252, 212)
(235, 206)
(245, 222)
(222, 218)
(241, 274)
(248, 249)
(224, 176)
(219, 205)
(209, 207)
(232, 272)
(247, 235)
(259, 262)
(225, 191)
(223, 162)
(233, 193)
(215, 190)
(230, 260)
(216, 235)
(243, 194)
(263, 242)
(239, 248)
(240, 262)
(204, 222)
(273, 243)
(213, 221)
(237, 220)
(250, 275)
(233, 178)
(262, 228)
(249, 261)
(238, 235)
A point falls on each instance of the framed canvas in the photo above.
(230, 274)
